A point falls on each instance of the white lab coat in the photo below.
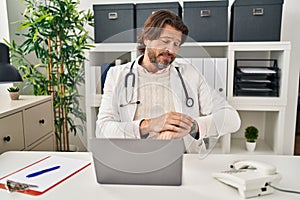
(210, 110)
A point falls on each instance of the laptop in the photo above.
(138, 161)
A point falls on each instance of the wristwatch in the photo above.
(193, 131)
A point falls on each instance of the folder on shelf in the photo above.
(45, 181)
(221, 75)
(213, 69)
(198, 63)
(209, 71)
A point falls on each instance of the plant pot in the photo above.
(14, 95)
(73, 148)
(250, 146)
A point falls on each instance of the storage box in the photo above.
(114, 23)
(144, 10)
(256, 20)
(207, 20)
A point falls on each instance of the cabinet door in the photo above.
(38, 122)
(11, 133)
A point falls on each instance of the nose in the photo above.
(171, 47)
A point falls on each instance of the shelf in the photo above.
(257, 103)
(237, 46)
(238, 147)
(260, 46)
(113, 47)
(269, 114)
(206, 44)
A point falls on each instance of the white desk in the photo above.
(197, 180)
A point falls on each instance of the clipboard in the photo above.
(46, 181)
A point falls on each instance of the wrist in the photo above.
(145, 127)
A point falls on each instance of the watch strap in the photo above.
(193, 131)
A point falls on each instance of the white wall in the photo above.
(4, 33)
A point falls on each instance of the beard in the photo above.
(159, 61)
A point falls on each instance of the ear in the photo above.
(146, 41)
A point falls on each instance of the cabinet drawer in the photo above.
(11, 133)
(46, 144)
(38, 122)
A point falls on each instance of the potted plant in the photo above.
(251, 135)
(14, 92)
(54, 31)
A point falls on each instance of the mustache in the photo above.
(166, 54)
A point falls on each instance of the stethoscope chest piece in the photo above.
(189, 102)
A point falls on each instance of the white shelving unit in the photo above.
(267, 113)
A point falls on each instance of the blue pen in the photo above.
(42, 172)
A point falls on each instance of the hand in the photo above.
(169, 126)
(168, 135)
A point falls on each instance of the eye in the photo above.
(164, 41)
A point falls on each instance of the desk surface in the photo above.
(197, 180)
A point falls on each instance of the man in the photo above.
(154, 97)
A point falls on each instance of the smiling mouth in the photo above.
(166, 55)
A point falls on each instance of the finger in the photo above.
(173, 135)
(182, 124)
(174, 124)
(181, 129)
(161, 136)
(172, 128)
(178, 118)
(167, 135)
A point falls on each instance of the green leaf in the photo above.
(63, 24)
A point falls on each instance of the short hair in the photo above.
(154, 24)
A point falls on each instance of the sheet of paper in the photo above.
(257, 70)
(68, 167)
(256, 80)
(257, 89)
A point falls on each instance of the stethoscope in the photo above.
(189, 100)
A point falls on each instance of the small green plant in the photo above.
(251, 133)
(13, 89)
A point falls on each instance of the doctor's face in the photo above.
(162, 51)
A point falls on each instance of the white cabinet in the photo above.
(26, 124)
(266, 112)
(12, 132)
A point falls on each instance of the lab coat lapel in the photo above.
(178, 94)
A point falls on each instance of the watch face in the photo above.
(189, 102)
(193, 132)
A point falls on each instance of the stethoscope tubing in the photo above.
(189, 100)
